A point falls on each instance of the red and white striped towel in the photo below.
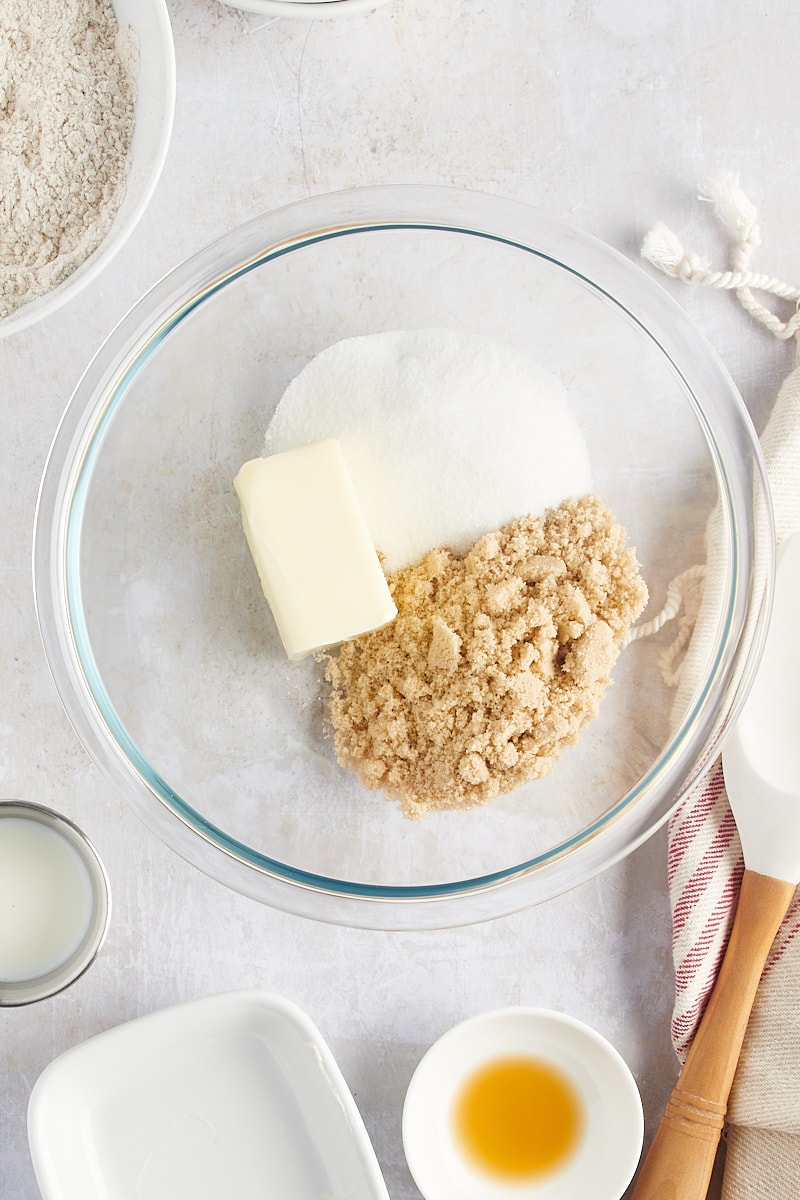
(704, 870)
(704, 855)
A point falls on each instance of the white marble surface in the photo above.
(606, 112)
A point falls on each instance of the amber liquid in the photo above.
(517, 1118)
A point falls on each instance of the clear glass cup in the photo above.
(55, 903)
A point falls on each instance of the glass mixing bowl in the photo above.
(164, 651)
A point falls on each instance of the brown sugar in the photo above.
(494, 664)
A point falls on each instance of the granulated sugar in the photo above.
(446, 436)
(67, 86)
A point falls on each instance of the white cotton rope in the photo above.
(684, 592)
(663, 250)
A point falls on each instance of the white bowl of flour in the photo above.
(310, 9)
(91, 92)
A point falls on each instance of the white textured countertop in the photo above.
(607, 112)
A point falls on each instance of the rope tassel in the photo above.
(663, 249)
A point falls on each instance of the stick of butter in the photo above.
(312, 548)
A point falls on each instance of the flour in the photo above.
(446, 435)
(67, 90)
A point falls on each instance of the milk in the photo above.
(45, 899)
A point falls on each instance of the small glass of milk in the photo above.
(54, 902)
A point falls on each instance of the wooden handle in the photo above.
(680, 1160)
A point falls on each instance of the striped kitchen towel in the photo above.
(704, 854)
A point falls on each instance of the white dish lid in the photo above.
(234, 1095)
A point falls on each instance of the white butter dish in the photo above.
(234, 1095)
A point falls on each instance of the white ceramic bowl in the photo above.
(307, 9)
(608, 1146)
(232, 1095)
(155, 107)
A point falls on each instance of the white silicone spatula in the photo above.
(761, 763)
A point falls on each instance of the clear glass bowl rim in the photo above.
(67, 476)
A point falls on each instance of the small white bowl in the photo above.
(609, 1141)
(305, 8)
(229, 1096)
(153, 117)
